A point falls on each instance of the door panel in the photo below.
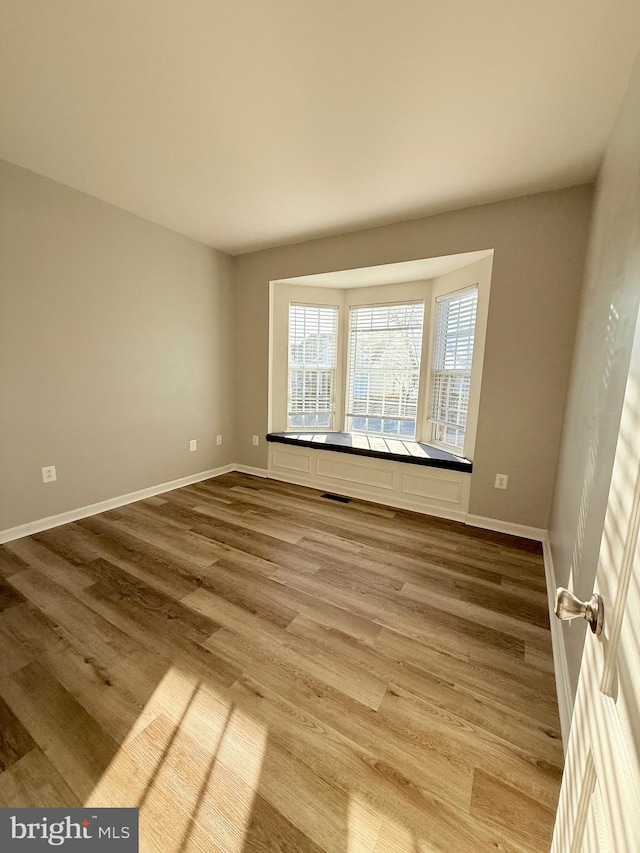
(599, 807)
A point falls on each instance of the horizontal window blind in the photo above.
(383, 371)
(454, 333)
(313, 346)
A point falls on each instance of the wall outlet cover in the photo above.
(49, 474)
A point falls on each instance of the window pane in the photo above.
(451, 366)
(407, 429)
(313, 343)
(385, 343)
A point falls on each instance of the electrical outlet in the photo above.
(49, 474)
(502, 481)
(218, 439)
(193, 445)
(256, 440)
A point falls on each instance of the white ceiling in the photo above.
(405, 271)
(251, 123)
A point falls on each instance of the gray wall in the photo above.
(117, 343)
(540, 244)
(607, 319)
(115, 348)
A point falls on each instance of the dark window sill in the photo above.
(395, 450)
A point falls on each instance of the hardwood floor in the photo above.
(260, 668)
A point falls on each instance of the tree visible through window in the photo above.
(383, 371)
(452, 357)
(313, 339)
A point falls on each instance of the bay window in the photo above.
(395, 371)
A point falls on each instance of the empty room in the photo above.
(320, 426)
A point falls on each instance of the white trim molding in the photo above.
(536, 533)
(50, 521)
(560, 665)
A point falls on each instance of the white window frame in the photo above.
(435, 371)
(303, 369)
(350, 370)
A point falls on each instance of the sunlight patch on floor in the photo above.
(191, 764)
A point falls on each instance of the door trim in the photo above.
(560, 665)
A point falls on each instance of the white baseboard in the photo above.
(560, 666)
(536, 533)
(247, 469)
(41, 524)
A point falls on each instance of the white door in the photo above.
(599, 809)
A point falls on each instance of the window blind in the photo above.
(454, 333)
(313, 345)
(383, 370)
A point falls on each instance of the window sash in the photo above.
(383, 368)
(312, 359)
(452, 359)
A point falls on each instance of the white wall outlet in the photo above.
(193, 445)
(256, 440)
(49, 474)
(218, 439)
(502, 481)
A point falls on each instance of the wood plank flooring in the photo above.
(259, 668)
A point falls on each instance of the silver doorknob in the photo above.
(569, 606)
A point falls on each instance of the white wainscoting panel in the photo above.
(362, 473)
(434, 491)
(291, 460)
(432, 487)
